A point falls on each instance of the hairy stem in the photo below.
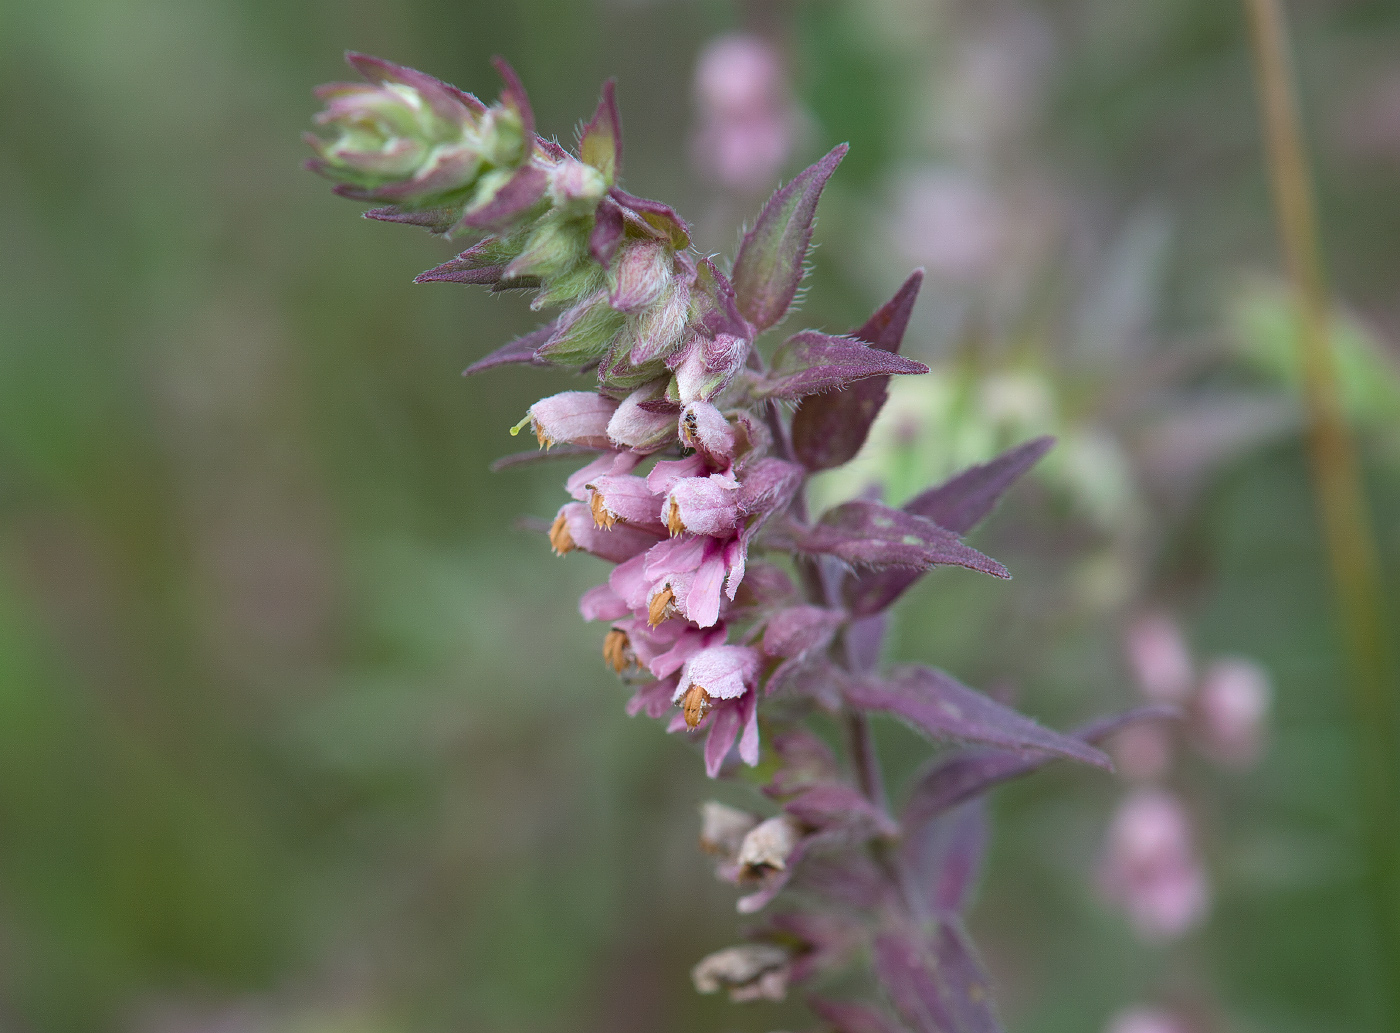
(1351, 547)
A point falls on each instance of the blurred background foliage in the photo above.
(298, 733)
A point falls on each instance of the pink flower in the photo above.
(1160, 659)
(574, 417)
(748, 125)
(1151, 868)
(1231, 709)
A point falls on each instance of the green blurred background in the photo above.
(299, 733)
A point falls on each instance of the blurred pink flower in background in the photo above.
(1231, 709)
(1146, 1020)
(1150, 866)
(1160, 659)
(748, 124)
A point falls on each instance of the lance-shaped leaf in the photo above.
(838, 804)
(829, 429)
(961, 503)
(871, 534)
(480, 263)
(937, 985)
(771, 257)
(944, 857)
(653, 217)
(960, 776)
(600, 143)
(520, 350)
(853, 1017)
(958, 504)
(530, 458)
(435, 220)
(941, 707)
(810, 363)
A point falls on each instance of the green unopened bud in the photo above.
(555, 246)
(576, 188)
(585, 333)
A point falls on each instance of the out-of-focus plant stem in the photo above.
(1351, 546)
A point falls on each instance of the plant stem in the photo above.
(1350, 543)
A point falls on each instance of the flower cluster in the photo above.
(731, 612)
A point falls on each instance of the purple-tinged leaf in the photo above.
(864, 638)
(474, 265)
(937, 985)
(944, 857)
(436, 220)
(519, 194)
(655, 217)
(520, 350)
(838, 804)
(905, 970)
(829, 429)
(771, 257)
(539, 456)
(769, 485)
(875, 535)
(800, 629)
(967, 991)
(600, 143)
(968, 773)
(853, 1017)
(806, 761)
(608, 231)
(962, 502)
(514, 96)
(809, 363)
(958, 504)
(941, 707)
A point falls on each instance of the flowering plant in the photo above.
(733, 615)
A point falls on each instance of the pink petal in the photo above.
(667, 472)
(748, 745)
(722, 736)
(601, 603)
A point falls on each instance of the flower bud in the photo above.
(576, 188)
(639, 275)
(573, 417)
(637, 428)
